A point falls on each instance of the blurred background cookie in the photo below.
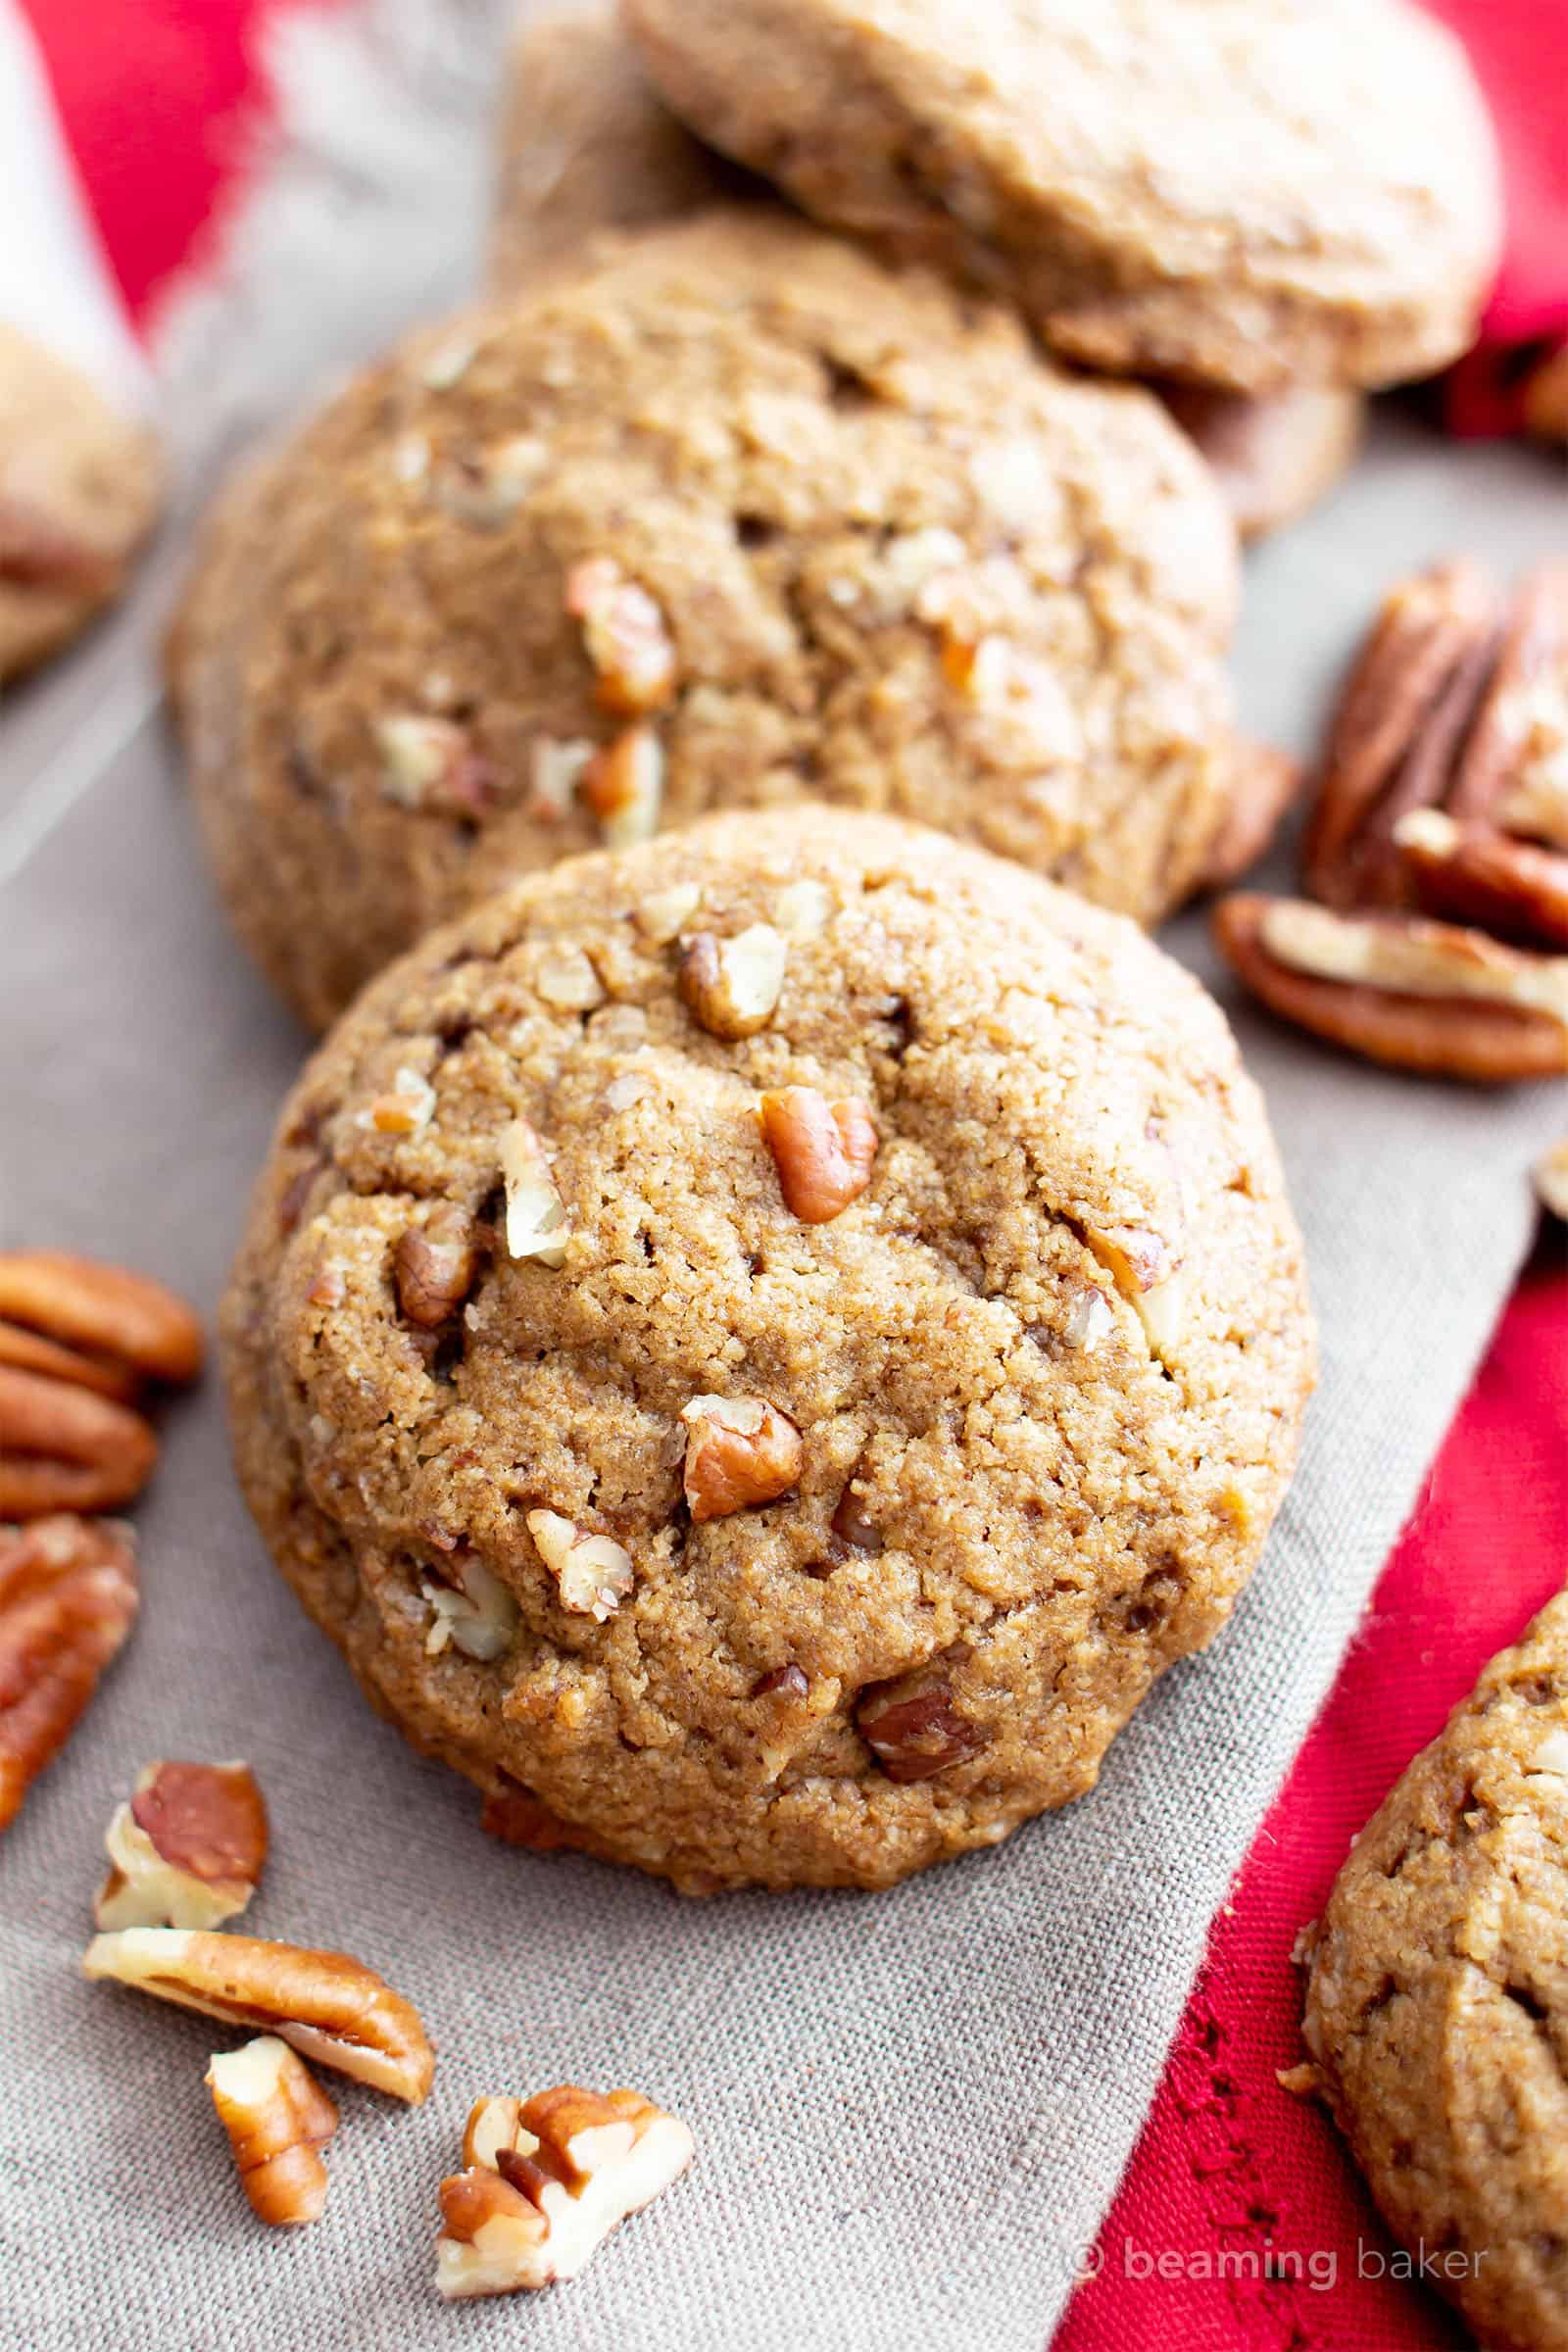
(79, 486)
(735, 518)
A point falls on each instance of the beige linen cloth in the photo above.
(912, 2108)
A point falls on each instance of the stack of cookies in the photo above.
(768, 1327)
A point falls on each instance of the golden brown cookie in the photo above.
(1247, 192)
(734, 518)
(78, 489)
(1436, 2000)
(761, 1347)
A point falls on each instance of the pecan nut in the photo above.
(740, 1451)
(593, 1573)
(186, 1849)
(1522, 722)
(329, 2006)
(69, 1596)
(433, 1267)
(625, 636)
(1400, 990)
(68, 1449)
(112, 1316)
(624, 785)
(824, 1151)
(914, 1729)
(537, 1224)
(278, 2119)
(731, 987)
(545, 2181)
(1473, 875)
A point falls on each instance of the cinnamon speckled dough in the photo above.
(1437, 2005)
(1013, 1479)
(78, 489)
(900, 563)
(587, 144)
(1249, 192)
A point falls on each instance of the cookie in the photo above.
(761, 1347)
(1246, 192)
(79, 490)
(588, 145)
(734, 518)
(1436, 1999)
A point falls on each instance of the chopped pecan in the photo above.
(1148, 1273)
(1524, 713)
(116, 1318)
(852, 1526)
(914, 1729)
(329, 2007)
(1402, 990)
(469, 1608)
(624, 635)
(433, 1266)
(824, 1151)
(1399, 722)
(740, 1451)
(784, 1681)
(731, 987)
(187, 1849)
(624, 785)
(68, 1449)
(278, 2119)
(67, 1599)
(1265, 784)
(546, 2180)
(593, 1573)
(409, 1106)
(536, 1215)
(433, 763)
(1470, 874)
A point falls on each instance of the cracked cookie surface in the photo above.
(1245, 192)
(1436, 2004)
(783, 1456)
(735, 518)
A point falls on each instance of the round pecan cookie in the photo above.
(761, 1347)
(78, 489)
(1437, 2004)
(1250, 192)
(734, 518)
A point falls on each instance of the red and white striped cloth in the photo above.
(153, 101)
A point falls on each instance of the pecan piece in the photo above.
(823, 1151)
(67, 1599)
(536, 1215)
(186, 1849)
(740, 1451)
(1265, 784)
(913, 1727)
(1472, 874)
(546, 2180)
(68, 1449)
(329, 2007)
(116, 1317)
(278, 2119)
(1427, 654)
(433, 1267)
(1529, 686)
(593, 1573)
(1400, 990)
(625, 636)
(731, 987)
(624, 787)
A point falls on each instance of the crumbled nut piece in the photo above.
(67, 1599)
(568, 980)
(594, 1573)
(1091, 1320)
(823, 1152)
(409, 1106)
(1551, 1181)
(186, 1850)
(472, 1608)
(68, 1449)
(329, 2007)
(536, 1215)
(434, 1265)
(852, 1526)
(555, 771)
(546, 2181)
(1481, 1032)
(740, 1451)
(1148, 1272)
(410, 460)
(622, 1092)
(1552, 1754)
(625, 786)
(448, 363)
(624, 635)
(1473, 875)
(913, 1727)
(785, 1682)
(431, 764)
(115, 1318)
(1521, 726)
(662, 918)
(487, 490)
(278, 2119)
(803, 908)
(731, 987)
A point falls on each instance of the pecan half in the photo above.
(329, 2007)
(1402, 990)
(186, 1849)
(68, 1449)
(824, 1151)
(546, 2180)
(1399, 720)
(1265, 784)
(1524, 713)
(433, 1267)
(1473, 875)
(914, 1729)
(740, 1451)
(120, 1320)
(68, 1596)
(278, 2119)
